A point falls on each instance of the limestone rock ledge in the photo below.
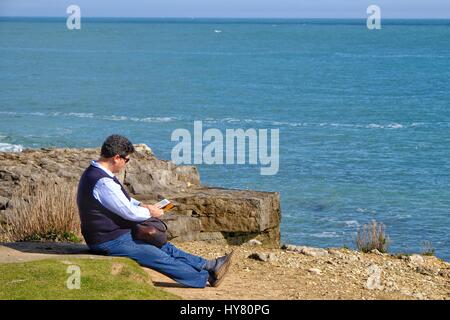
(200, 213)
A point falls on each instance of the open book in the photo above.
(164, 204)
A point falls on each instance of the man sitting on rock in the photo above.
(108, 213)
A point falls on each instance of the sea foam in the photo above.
(7, 147)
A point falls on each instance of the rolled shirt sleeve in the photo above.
(135, 202)
(110, 195)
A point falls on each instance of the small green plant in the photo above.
(372, 236)
(428, 248)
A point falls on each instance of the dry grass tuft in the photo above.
(372, 236)
(46, 211)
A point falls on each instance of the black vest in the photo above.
(98, 224)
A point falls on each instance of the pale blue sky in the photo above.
(229, 8)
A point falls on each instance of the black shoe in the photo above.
(217, 274)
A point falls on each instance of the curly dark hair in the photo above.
(116, 145)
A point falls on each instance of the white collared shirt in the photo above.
(110, 195)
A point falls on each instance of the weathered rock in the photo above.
(315, 271)
(211, 237)
(374, 277)
(222, 209)
(416, 259)
(143, 148)
(181, 225)
(265, 257)
(350, 258)
(201, 213)
(427, 271)
(314, 252)
(445, 274)
(418, 295)
(253, 242)
(391, 286)
(288, 247)
(309, 251)
(375, 251)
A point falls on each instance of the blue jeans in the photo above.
(178, 265)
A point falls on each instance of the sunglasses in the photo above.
(124, 158)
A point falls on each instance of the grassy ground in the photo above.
(117, 278)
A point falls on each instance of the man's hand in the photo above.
(154, 210)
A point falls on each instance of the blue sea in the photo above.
(364, 115)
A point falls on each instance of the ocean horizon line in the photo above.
(253, 20)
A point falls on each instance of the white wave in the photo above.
(296, 124)
(402, 216)
(7, 147)
(92, 116)
(158, 119)
(231, 120)
(284, 123)
(390, 56)
(278, 123)
(366, 210)
(78, 114)
(311, 124)
(235, 120)
(136, 119)
(345, 125)
(374, 125)
(290, 124)
(115, 118)
(351, 223)
(217, 31)
(325, 234)
(8, 112)
(395, 126)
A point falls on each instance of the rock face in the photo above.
(200, 213)
(309, 251)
